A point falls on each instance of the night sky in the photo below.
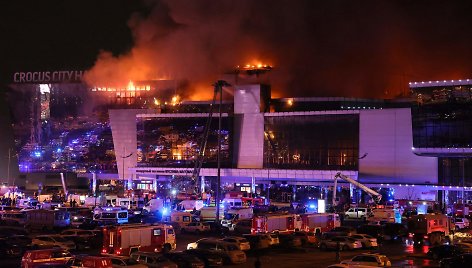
(318, 48)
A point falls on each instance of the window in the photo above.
(370, 259)
(358, 258)
(60, 254)
(118, 262)
(157, 232)
(170, 231)
(206, 245)
(186, 219)
(123, 215)
(296, 142)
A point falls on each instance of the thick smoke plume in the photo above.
(330, 48)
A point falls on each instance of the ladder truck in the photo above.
(376, 197)
(201, 152)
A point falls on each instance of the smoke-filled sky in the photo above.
(318, 48)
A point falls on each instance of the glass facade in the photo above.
(455, 171)
(64, 127)
(324, 142)
(175, 142)
(442, 117)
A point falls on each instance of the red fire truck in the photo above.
(320, 221)
(431, 228)
(276, 222)
(125, 239)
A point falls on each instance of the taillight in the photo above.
(104, 250)
(118, 252)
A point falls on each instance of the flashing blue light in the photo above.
(37, 154)
(165, 211)
(222, 206)
(311, 206)
(58, 150)
(390, 200)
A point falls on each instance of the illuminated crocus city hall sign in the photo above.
(48, 76)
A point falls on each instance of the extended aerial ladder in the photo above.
(201, 152)
(373, 194)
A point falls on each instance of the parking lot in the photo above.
(399, 253)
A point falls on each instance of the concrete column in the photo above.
(202, 184)
(94, 183)
(154, 184)
(130, 184)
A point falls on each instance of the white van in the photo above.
(357, 213)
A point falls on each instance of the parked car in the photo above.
(232, 254)
(22, 241)
(357, 213)
(307, 238)
(344, 242)
(89, 262)
(376, 260)
(444, 251)
(394, 231)
(372, 230)
(185, 260)
(152, 260)
(36, 258)
(242, 242)
(367, 241)
(258, 241)
(210, 258)
(463, 260)
(466, 247)
(289, 240)
(343, 230)
(461, 223)
(50, 241)
(123, 261)
(82, 238)
(196, 227)
(243, 227)
(193, 245)
(9, 249)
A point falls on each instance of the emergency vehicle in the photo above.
(323, 222)
(110, 215)
(276, 222)
(431, 228)
(126, 239)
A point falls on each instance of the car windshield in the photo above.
(59, 239)
(130, 261)
(351, 239)
(243, 240)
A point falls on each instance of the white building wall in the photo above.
(249, 128)
(123, 129)
(385, 149)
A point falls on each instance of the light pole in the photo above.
(219, 86)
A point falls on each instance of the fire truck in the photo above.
(276, 222)
(320, 222)
(430, 228)
(126, 239)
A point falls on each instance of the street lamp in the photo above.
(219, 87)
